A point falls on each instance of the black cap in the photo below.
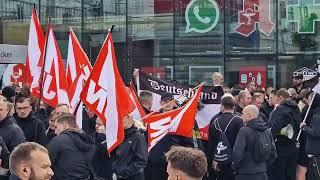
(167, 96)
(297, 76)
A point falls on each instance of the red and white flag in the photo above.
(179, 121)
(34, 59)
(138, 113)
(78, 71)
(55, 84)
(106, 95)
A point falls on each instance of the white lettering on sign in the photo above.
(100, 96)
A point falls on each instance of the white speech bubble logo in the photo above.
(196, 22)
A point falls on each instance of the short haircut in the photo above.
(145, 96)
(252, 110)
(67, 118)
(191, 161)
(283, 92)
(228, 102)
(259, 91)
(274, 92)
(216, 74)
(23, 153)
(255, 97)
(242, 93)
(62, 104)
(23, 99)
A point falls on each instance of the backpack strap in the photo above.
(219, 128)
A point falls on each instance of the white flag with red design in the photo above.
(106, 95)
(78, 71)
(179, 121)
(34, 61)
(55, 84)
(138, 112)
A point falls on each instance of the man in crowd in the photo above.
(71, 151)
(62, 108)
(217, 79)
(129, 165)
(229, 124)
(157, 164)
(186, 163)
(30, 161)
(4, 159)
(32, 127)
(269, 106)
(145, 98)
(246, 164)
(251, 87)
(297, 81)
(88, 120)
(10, 132)
(257, 100)
(287, 114)
(244, 99)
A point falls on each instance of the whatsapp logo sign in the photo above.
(201, 16)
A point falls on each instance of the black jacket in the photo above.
(231, 132)
(101, 161)
(130, 157)
(4, 155)
(238, 110)
(242, 156)
(33, 128)
(11, 133)
(286, 113)
(71, 155)
(88, 124)
(313, 131)
(266, 109)
(50, 135)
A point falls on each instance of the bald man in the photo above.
(245, 164)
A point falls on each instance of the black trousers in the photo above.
(225, 172)
(284, 168)
(260, 176)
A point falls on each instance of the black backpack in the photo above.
(263, 145)
(223, 151)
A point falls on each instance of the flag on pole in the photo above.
(34, 61)
(106, 95)
(78, 71)
(55, 84)
(179, 121)
(138, 113)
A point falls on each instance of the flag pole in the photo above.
(155, 111)
(44, 63)
(304, 119)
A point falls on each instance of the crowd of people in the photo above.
(255, 136)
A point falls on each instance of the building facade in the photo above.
(184, 40)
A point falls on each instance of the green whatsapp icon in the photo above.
(201, 16)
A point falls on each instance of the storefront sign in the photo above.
(305, 14)
(201, 16)
(306, 72)
(255, 74)
(255, 12)
(13, 53)
(14, 74)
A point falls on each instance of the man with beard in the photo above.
(244, 99)
(32, 127)
(30, 161)
(71, 151)
(10, 132)
(297, 82)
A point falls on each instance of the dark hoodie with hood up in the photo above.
(71, 154)
(286, 113)
(243, 149)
